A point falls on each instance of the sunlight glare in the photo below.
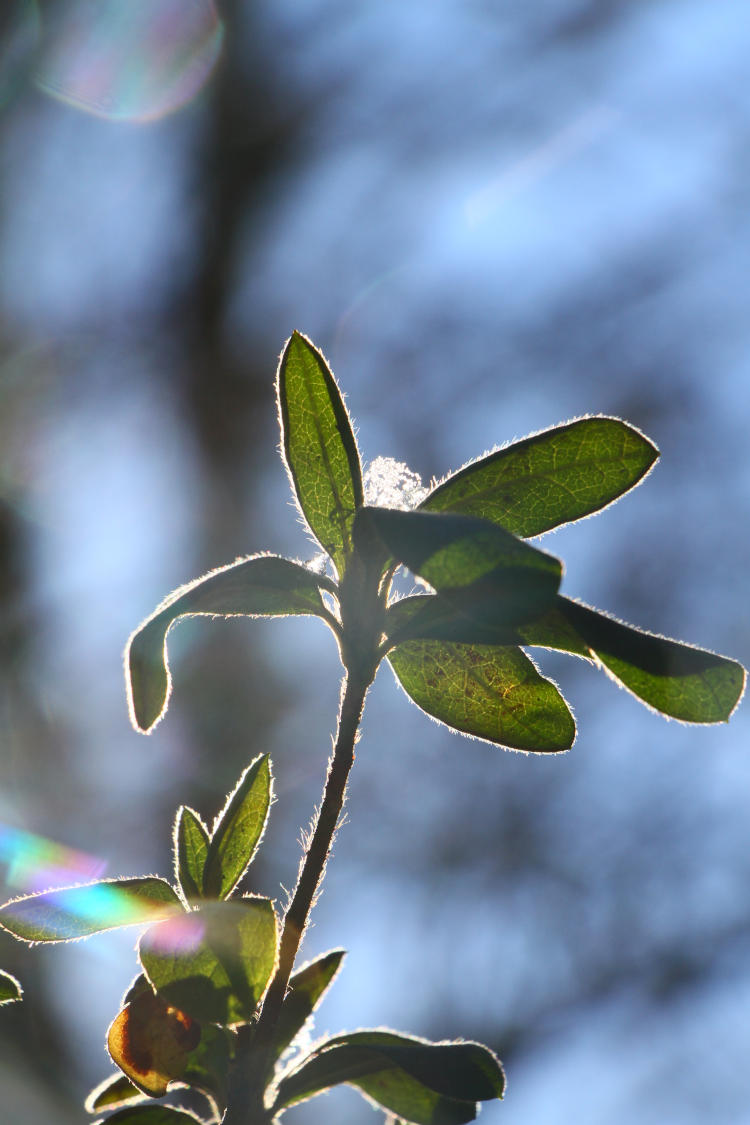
(181, 934)
(34, 862)
(392, 484)
(131, 60)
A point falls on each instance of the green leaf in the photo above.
(214, 962)
(433, 617)
(10, 988)
(469, 561)
(426, 1083)
(423, 617)
(75, 912)
(259, 586)
(683, 682)
(554, 630)
(488, 691)
(113, 1092)
(686, 683)
(208, 1065)
(319, 447)
(549, 478)
(238, 830)
(150, 1115)
(306, 989)
(191, 840)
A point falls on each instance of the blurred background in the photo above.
(492, 218)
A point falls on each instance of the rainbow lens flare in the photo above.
(34, 863)
(130, 60)
(74, 912)
(181, 934)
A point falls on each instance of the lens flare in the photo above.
(130, 60)
(69, 913)
(182, 934)
(19, 38)
(96, 906)
(34, 863)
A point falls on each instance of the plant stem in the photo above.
(252, 1061)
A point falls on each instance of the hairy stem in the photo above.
(252, 1061)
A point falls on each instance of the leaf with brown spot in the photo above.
(151, 1041)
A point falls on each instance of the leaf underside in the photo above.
(491, 692)
(306, 989)
(686, 683)
(425, 1083)
(319, 447)
(260, 586)
(550, 478)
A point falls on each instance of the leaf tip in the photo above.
(741, 687)
(148, 682)
(10, 989)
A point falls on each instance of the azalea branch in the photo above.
(254, 1059)
(219, 999)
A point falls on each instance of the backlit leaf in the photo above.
(113, 1092)
(238, 830)
(207, 1068)
(10, 988)
(75, 912)
(214, 962)
(306, 989)
(554, 630)
(423, 617)
(686, 683)
(433, 617)
(469, 561)
(151, 1041)
(259, 586)
(679, 680)
(319, 447)
(490, 692)
(425, 1083)
(150, 1115)
(191, 841)
(550, 478)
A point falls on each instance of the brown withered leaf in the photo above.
(151, 1041)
